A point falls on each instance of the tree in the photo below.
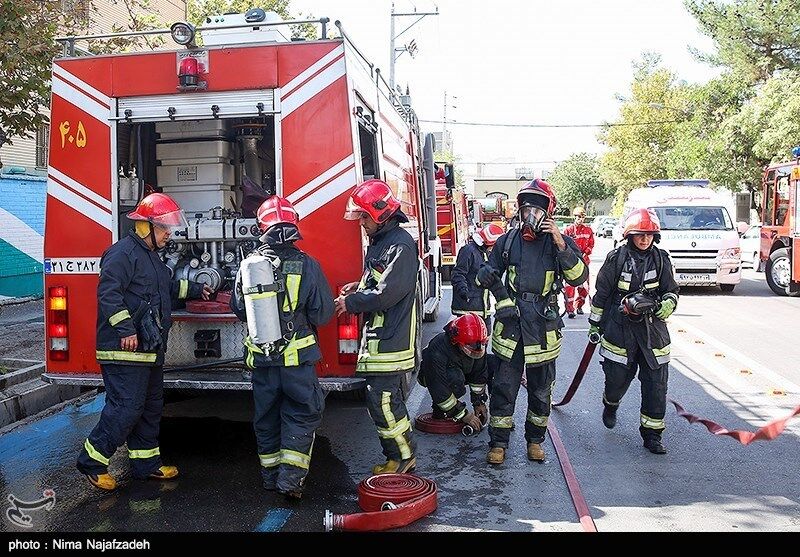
(28, 29)
(577, 180)
(200, 9)
(753, 37)
(646, 130)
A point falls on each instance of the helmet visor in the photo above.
(175, 220)
(475, 350)
(353, 211)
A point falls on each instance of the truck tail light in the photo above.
(58, 329)
(347, 325)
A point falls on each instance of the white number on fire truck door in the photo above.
(78, 138)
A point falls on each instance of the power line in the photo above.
(500, 125)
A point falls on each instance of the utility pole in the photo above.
(410, 47)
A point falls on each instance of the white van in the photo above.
(696, 230)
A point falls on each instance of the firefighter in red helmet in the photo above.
(535, 259)
(134, 306)
(386, 296)
(453, 359)
(636, 293)
(287, 394)
(584, 239)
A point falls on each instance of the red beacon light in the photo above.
(189, 73)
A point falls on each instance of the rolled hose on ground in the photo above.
(428, 424)
(388, 501)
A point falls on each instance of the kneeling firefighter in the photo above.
(283, 295)
(636, 293)
(134, 314)
(535, 259)
(453, 359)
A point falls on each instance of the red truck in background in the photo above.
(452, 216)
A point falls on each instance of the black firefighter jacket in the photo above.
(533, 272)
(134, 281)
(445, 369)
(306, 300)
(621, 335)
(468, 297)
(386, 296)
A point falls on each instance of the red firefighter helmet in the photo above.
(537, 193)
(642, 221)
(160, 209)
(373, 197)
(276, 210)
(488, 235)
(469, 333)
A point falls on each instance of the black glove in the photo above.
(486, 276)
(149, 333)
(463, 293)
(503, 313)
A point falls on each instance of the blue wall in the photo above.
(22, 200)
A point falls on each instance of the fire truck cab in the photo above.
(219, 128)
(780, 226)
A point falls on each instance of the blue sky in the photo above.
(515, 61)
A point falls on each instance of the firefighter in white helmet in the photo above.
(287, 394)
(469, 297)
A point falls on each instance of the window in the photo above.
(782, 201)
(769, 198)
(693, 218)
(42, 138)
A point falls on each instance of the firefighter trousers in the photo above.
(388, 410)
(132, 414)
(505, 387)
(288, 410)
(654, 391)
(576, 296)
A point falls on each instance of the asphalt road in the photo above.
(733, 361)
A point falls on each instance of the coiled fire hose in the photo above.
(388, 501)
(765, 433)
(428, 424)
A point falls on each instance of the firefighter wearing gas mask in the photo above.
(452, 360)
(636, 293)
(135, 296)
(469, 297)
(525, 273)
(283, 296)
(387, 297)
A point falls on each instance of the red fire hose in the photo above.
(582, 367)
(388, 501)
(765, 433)
(428, 424)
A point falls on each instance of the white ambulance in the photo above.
(696, 229)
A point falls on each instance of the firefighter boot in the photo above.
(609, 415)
(535, 452)
(164, 473)
(653, 444)
(496, 455)
(405, 466)
(106, 482)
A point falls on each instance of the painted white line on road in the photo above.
(775, 379)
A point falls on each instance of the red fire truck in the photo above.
(452, 217)
(219, 128)
(780, 226)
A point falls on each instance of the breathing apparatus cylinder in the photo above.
(261, 299)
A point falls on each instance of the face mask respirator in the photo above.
(531, 220)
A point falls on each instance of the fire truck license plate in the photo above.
(692, 277)
(448, 260)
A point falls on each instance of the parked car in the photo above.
(751, 245)
(603, 225)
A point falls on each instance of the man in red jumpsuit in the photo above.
(584, 238)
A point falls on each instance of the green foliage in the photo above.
(577, 181)
(200, 9)
(753, 37)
